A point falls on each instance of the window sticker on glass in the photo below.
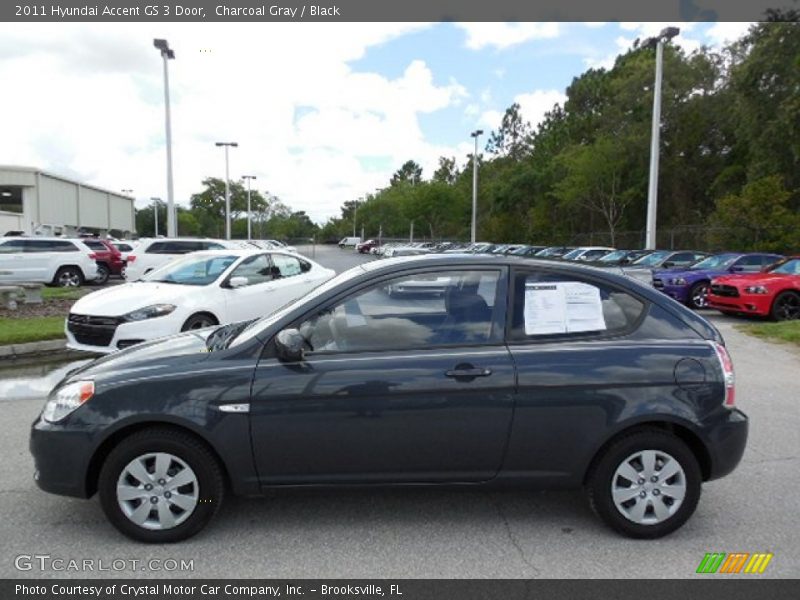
(562, 307)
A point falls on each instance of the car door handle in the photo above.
(468, 372)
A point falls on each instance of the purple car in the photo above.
(690, 286)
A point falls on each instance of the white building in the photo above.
(40, 203)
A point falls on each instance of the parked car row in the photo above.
(736, 283)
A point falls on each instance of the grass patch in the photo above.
(19, 331)
(57, 293)
(784, 331)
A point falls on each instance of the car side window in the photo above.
(418, 311)
(155, 248)
(257, 269)
(287, 266)
(12, 247)
(95, 245)
(683, 258)
(750, 264)
(549, 305)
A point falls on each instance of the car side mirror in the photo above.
(625, 261)
(668, 264)
(290, 345)
(237, 282)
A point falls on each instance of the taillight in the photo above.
(131, 258)
(727, 374)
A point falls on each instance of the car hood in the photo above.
(119, 300)
(752, 278)
(147, 358)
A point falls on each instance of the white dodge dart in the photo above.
(200, 290)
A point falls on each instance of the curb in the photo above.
(55, 349)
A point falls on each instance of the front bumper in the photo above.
(123, 335)
(751, 304)
(61, 459)
(726, 442)
(676, 292)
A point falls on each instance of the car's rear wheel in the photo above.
(160, 486)
(645, 484)
(103, 273)
(786, 306)
(68, 277)
(199, 321)
(698, 295)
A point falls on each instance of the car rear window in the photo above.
(548, 305)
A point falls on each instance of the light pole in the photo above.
(168, 54)
(655, 137)
(155, 213)
(475, 134)
(355, 215)
(227, 145)
(248, 178)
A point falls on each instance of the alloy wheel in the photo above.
(648, 487)
(700, 296)
(69, 279)
(157, 491)
(787, 307)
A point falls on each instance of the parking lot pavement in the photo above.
(425, 532)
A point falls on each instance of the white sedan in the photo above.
(199, 290)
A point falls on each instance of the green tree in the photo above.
(410, 173)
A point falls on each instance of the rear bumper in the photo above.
(726, 442)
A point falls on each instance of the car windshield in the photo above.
(790, 267)
(653, 259)
(192, 270)
(574, 253)
(720, 261)
(613, 256)
(255, 327)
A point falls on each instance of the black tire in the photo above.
(184, 446)
(786, 306)
(698, 295)
(199, 321)
(602, 477)
(103, 273)
(68, 277)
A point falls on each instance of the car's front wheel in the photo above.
(786, 306)
(646, 484)
(160, 485)
(199, 321)
(698, 295)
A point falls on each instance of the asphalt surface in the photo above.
(426, 532)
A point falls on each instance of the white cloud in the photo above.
(90, 104)
(504, 35)
(532, 106)
(723, 33)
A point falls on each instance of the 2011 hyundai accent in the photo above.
(520, 372)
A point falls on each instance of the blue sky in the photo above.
(323, 113)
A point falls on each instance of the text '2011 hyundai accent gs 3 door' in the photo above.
(512, 372)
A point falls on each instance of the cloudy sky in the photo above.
(323, 113)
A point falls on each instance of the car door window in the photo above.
(257, 269)
(551, 305)
(12, 247)
(683, 258)
(288, 266)
(414, 311)
(750, 264)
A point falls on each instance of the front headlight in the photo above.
(677, 281)
(756, 289)
(67, 399)
(150, 312)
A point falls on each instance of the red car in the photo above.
(365, 247)
(108, 258)
(774, 292)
